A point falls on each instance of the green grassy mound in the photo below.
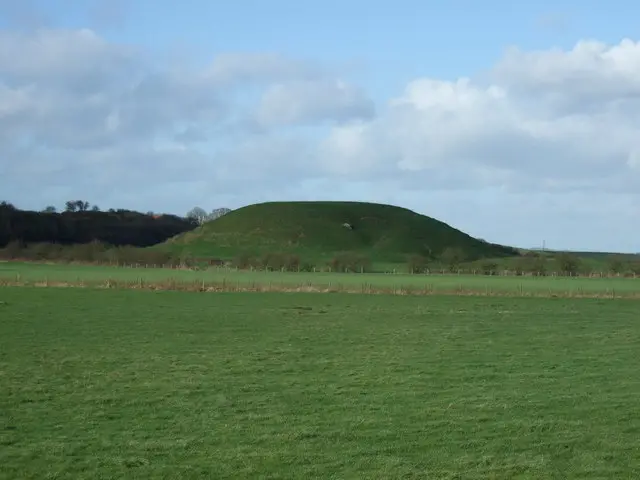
(323, 229)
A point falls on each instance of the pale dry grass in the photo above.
(368, 289)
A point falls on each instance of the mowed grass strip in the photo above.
(139, 384)
(77, 274)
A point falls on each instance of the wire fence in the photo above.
(218, 266)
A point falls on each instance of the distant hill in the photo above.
(322, 229)
(597, 255)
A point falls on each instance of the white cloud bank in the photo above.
(547, 146)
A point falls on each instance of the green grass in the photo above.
(316, 232)
(138, 384)
(433, 283)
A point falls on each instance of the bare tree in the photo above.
(217, 213)
(198, 215)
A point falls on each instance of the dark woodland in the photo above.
(80, 224)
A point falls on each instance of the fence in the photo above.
(220, 266)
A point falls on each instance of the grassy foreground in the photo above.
(138, 384)
(227, 279)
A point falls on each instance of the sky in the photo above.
(516, 122)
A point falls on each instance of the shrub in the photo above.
(280, 262)
(86, 252)
(111, 256)
(41, 251)
(531, 262)
(307, 267)
(93, 252)
(519, 266)
(12, 251)
(127, 255)
(96, 252)
(244, 261)
(489, 268)
(452, 257)
(350, 263)
(158, 257)
(418, 264)
(618, 265)
(538, 266)
(292, 263)
(568, 264)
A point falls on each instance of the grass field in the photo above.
(141, 384)
(480, 284)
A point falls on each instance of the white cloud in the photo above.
(81, 116)
(550, 120)
(68, 59)
(248, 68)
(313, 101)
(592, 71)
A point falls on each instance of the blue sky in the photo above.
(386, 44)
(503, 119)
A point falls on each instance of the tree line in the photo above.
(531, 263)
(82, 223)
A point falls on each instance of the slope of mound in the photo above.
(321, 229)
